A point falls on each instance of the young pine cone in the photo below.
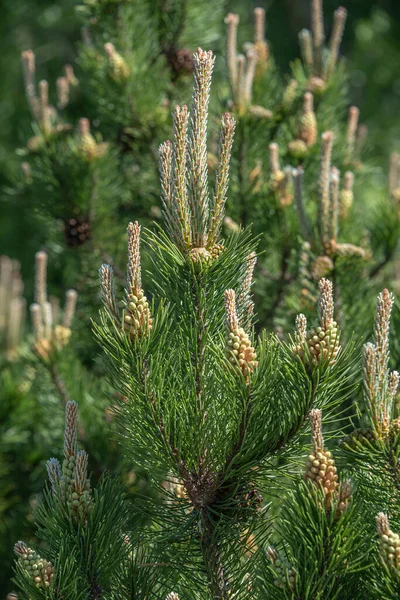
(389, 546)
(321, 266)
(359, 436)
(40, 570)
(202, 256)
(285, 575)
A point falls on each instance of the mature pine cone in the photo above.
(76, 232)
(181, 61)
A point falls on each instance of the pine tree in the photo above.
(210, 410)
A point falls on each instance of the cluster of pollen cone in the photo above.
(321, 344)
(321, 469)
(240, 351)
(40, 570)
(389, 545)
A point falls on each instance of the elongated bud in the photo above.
(361, 138)
(47, 320)
(29, 70)
(339, 22)
(298, 195)
(37, 321)
(54, 473)
(245, 301)
(260, 44)
(394, 379)
(232, 22)
(62, 84)
(346, 197)
(334, 204)
(274, 157)
(318, 33)
(44, 95)
(197, 155)
(325, 303)
(133, 273)
(301, 327)
(259, 24)
(371, 388)
(172, 596)
(180, 210)
(119, 67)
(324, 186)
(221, 185)
(250, 70)
(106, 276)
(81, 471)
(41, 277)
(394, 173)
(384, 305)
(70, 305)
(165, 169)
(306, 48)
(70, 432)
(84, 126)
(316, 429)
(308, 128)
(352, 124)
(15, 323)
(230, 310)
(70, 75)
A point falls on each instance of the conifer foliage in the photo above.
(213, 412)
